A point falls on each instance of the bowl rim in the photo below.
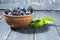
(17, 16)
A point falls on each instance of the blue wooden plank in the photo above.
(46, 1)
(16, 3)
(20, 1)
(42, 14)
(4, 28)
(45, 5)
(23, 34)
(56, 7)
(57, 1)
(1, 12)
(34, 3)
(34, 0)
(24, 2)
(42, 7)
(58, 30)
(1, 15)
(8, 1)
(56, 15)
(47, 33)
(10, 5)
(41, 4)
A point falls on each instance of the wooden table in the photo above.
(51, 33)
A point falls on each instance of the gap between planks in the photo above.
(8, 33)
(1, 18)
(34, 35)
(56, 25)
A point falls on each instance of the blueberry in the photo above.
(31, 9)
(7, 11)
(21, 13)
(18, 8)
(28, 12)
(14, 13)
(23, 9)
(17, 13)
(10, 14)
(15, 10)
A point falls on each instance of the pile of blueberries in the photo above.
(19, 11)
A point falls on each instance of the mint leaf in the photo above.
(38, 23)
(34, 24)
(41, 23)
(48, 20)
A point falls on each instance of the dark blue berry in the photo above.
(21, 13)
(28, 12)
(7, 11)
(18, 8)
(15, 10)
(15, 13)
(31, 9)
(23, 9)
(10, 14)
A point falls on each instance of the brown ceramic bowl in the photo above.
(18, 22)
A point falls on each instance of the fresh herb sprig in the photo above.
(38, 23)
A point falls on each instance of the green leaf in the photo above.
(41, 23)
(38, 23)
(34, 24)
(48, 20)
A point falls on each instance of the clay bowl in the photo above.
(18, 22)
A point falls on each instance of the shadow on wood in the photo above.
(30, 30)
(25, 30)
(45, 28)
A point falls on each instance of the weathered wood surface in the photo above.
(1, 12)
(50, 33)
(4, 28)
(57, 1)
(47, 34)
(56, 16)
(24, 34)
(36, 4)
(38, 34)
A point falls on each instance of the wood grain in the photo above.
(24, 34)
(3, 29)
(36, 4)
(46, 33)
(56, 15)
